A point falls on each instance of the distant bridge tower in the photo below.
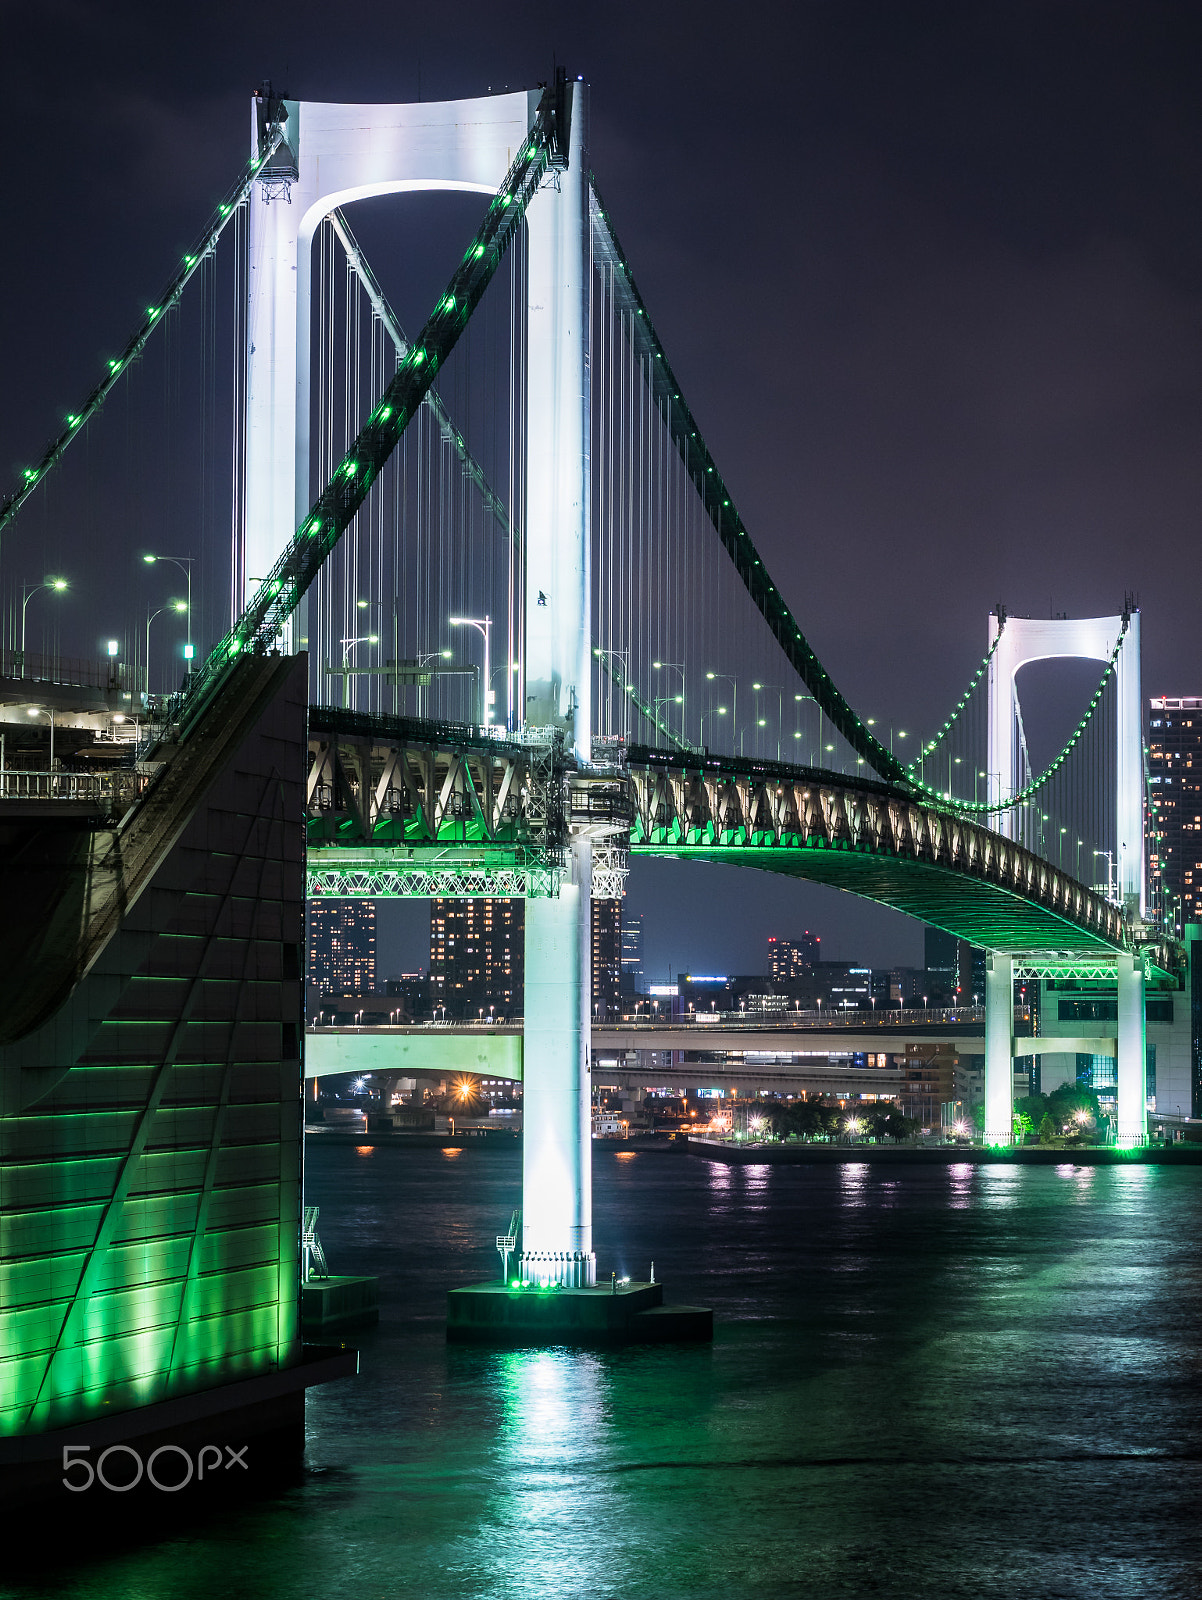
(1026, 639)
(334, 155)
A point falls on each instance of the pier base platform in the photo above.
(333, 1305)
(631, 1313)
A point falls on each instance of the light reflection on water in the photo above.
(922, 1383)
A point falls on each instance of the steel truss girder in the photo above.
(366, 790)
(690, 806)
(1029, 968)
(383, 874)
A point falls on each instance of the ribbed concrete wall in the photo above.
(150, 1191)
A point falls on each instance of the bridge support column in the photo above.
(557, 1183)
(557, 1214)
(557, 663)
(1132, 1094)
(999, 1048)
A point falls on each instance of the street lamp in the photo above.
(28, 590)
(483, 626)
(184, 563)
(725, 677)
(620, 655)
(347, 646)
(172, 605)
(669, 700)
(718, 711)
(41, 711)
(758, 688)
(1110, 887)
(675, 666)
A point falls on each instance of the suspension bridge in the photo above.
(488, 621)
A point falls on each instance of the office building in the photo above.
(793, 958)
(1175, 777)
(342, 946)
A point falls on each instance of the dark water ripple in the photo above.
(966, 1382)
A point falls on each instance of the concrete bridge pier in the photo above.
(557, 1197)
(557, 1228)
(999, 1048)
(1132, 1096)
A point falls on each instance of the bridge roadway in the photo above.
(787, 1057)
(401, 806)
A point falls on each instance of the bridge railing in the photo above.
(68, 672)
(110, 793)
(753, 1022)
(826, 1021)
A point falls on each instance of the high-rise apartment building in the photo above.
(607, 958)
(342, 946)
(477, 957)
(1175, 776)
(793, 958)
(632, 954)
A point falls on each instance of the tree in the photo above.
(897, 1126)
(1047, 1129)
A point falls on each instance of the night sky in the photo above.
(931, 276)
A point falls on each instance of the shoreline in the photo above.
(1177, 1155)
(944, 1155)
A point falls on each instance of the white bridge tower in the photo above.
(1015, 641)
(333, 155)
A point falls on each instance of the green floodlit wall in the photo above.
(150, 1188)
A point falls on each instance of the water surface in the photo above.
(976, 1381)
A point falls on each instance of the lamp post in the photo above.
(620, 655)
(725, 677)
(41, 711)
(483, 626)
(758, 688)
(422, 663)
(28, 590)
(172, 605)
(184, 563)
(675, 666)
(1109, 854)
(347, 646)
(718, 711)
(669, 700)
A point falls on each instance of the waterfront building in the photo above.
(342, 946)
(1175, 777)
(1083, 1009)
